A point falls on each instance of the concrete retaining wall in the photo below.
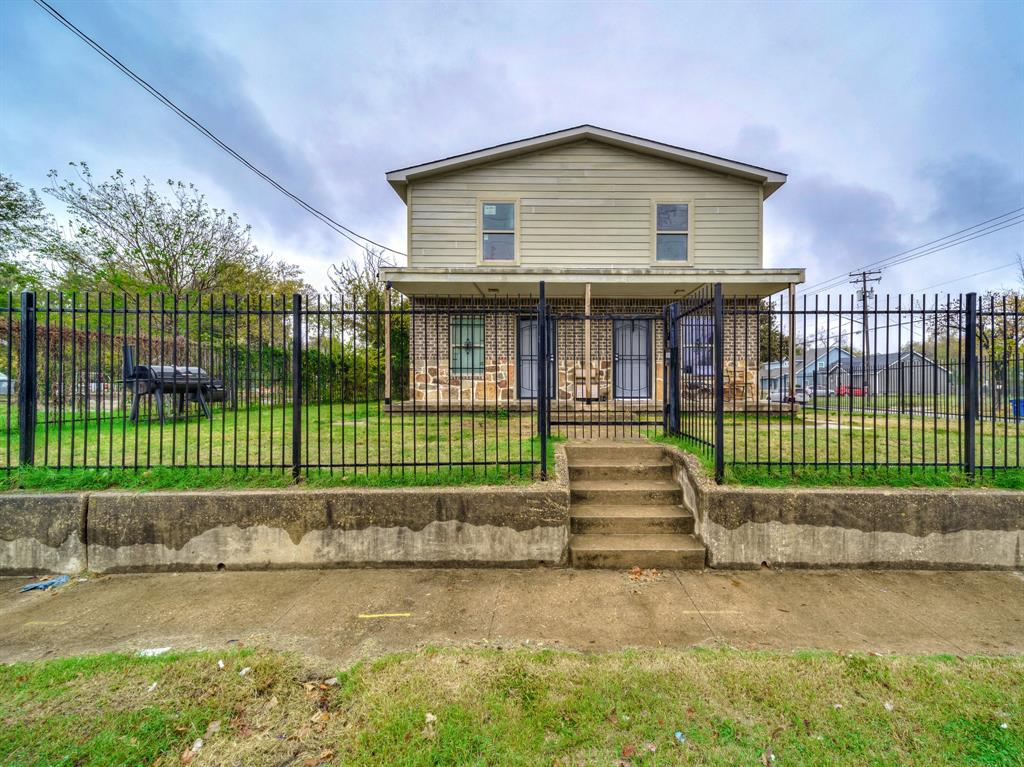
(853, 527)
(268, 529)
(42, 533)
(507, 526)
(259, 529)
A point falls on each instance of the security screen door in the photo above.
(631, 349)
(528, 358)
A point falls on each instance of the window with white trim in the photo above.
(672, 232)
(498, 232)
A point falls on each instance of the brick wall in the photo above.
(433, 379)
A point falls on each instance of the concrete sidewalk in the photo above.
(342, 615)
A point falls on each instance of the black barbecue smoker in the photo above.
(182, 383)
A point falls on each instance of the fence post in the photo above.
(542, 381)
(27, 384)
(672, 312)
(970, 383)
(387, 343)
(719, 342)
(296, 384)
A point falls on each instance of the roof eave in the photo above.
(770, 179)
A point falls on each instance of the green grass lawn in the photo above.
(346, 444)
(515, 708)
(363, 444)
(760, 448)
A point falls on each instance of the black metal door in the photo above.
(527, 357)
(631, 350)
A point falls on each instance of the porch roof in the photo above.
(661, 282)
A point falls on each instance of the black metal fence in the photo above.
(378, 385)
(352, 386)
(900, 382)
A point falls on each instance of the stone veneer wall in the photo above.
(432, 379)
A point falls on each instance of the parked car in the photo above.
(817, 392)
(851, 391)
(782, 395)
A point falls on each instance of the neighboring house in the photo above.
(899, 373)
(613, 224)
(809, 370)
(839, 371)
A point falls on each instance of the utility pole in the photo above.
(862, 279)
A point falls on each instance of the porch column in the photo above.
(586, 340)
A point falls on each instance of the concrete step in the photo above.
(631, 520)
(621, 452)
(679, 552)
(620, 492)
(602, 468)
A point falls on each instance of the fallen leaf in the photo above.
(628, 751)
(651, 747)
(213, 727)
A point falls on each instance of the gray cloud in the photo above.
(969, 188)
(327, 97)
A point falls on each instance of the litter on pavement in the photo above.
(60, 580)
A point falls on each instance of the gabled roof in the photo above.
(771, 179)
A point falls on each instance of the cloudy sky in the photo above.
(898, 123)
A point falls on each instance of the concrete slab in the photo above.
(343, 615)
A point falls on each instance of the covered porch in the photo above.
(473, 340)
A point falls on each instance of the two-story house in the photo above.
(615, 225)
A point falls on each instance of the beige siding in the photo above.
(586, 204)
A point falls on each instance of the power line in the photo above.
(938, 249)
(975, 274)
(969, 233)
(839, 278)
(337, 226)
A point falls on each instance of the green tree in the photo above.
(126, 235)
(772, 342)
(26, 229)
(363, 334)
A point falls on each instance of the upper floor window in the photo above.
(498, 231)
(673, 231)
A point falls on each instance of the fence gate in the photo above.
(694, 361)
(608, 373)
